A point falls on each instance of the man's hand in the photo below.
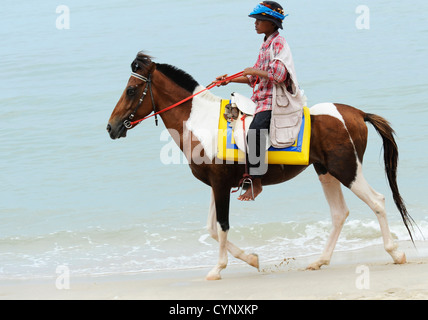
(255, 72)
(221, 81)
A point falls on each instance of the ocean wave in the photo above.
(140, 248)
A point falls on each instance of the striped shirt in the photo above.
(277, 73)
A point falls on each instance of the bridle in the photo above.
(128, 122)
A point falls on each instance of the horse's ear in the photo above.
(152, 67)
(134, 66)
(142, 62)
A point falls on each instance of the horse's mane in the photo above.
(180, 77)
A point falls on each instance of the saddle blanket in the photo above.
(297, 154)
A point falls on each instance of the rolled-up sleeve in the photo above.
(277, 72)
(252, 80)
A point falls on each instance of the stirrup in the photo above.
(247, 182)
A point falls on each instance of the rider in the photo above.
(265, 73)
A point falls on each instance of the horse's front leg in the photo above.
(220, 235)
(214, 274)
(220, 201)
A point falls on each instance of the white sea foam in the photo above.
(136, 249)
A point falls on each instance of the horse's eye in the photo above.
(130, 92)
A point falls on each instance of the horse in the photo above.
(338, 141)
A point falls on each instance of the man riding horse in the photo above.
(276, 90)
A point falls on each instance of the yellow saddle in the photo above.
(297, 154)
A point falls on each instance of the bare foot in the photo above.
(257, 189)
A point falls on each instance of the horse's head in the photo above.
(132, 105)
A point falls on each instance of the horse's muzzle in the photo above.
(117, 132)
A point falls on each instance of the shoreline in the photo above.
(366, 273)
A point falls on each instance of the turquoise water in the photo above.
(72, 196)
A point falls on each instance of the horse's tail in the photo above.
(390, 156)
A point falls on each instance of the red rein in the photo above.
(212, 85)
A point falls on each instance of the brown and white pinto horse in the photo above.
(338, 143)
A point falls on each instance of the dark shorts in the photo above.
(256, 143)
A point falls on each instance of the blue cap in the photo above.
(270, 11)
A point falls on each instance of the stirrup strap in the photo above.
(246, 178)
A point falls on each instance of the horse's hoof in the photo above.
(317, 265)
(401, 258)
(313, 266)
(254, 261)
(213, 276)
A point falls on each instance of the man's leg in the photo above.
(256, 144)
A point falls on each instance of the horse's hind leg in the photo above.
(339, 212)
(376, 202)
(221, 236)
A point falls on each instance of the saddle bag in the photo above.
(286, 118)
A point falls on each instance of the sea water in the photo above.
(71, 196)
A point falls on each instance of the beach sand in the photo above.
(361, 274)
